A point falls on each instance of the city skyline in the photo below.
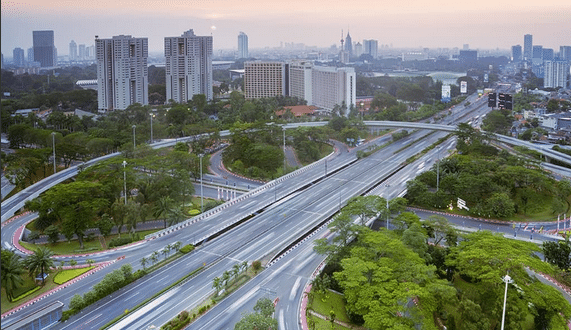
(411, 24)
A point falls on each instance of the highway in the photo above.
(286, 214)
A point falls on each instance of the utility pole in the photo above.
(125, 181)
(54, 148)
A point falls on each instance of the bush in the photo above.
(194, 212)
(187, 248)
(118, 241)
(257, 265)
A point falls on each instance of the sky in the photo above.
(483, 24)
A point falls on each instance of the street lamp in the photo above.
(152, 115)
(54, 149)
(438, 169)
(508, 280)
(201, 191)
(134, 144)
(387, 199)
(284, 151)
(125, 181)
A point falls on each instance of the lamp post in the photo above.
(507, 279)
(134, 144)
(125, 181)
(284, 151)
(201, 191)
(387, 199)
(152, 115)
(54, 149)
(438, 170)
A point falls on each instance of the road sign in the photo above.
(492, 100)
(462, 204)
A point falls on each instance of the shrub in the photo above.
(257, 265)
(194, 212)
(118, 241)
(187, 248)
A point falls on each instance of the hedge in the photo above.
(187, 248)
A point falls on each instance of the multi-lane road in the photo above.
(280, 213)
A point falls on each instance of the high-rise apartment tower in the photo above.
(44, 48)
(188, 66)
(243, 45)
(122, 73)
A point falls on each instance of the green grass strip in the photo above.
(68, 274)
(27, 293)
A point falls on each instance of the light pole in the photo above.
(134, 144)
(508, 280)
(284, 151)
(387, 199)
(201, 191)
(54, 149)
(438, 170)
(125, 180)
(152, 115)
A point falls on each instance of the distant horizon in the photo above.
(410, 24)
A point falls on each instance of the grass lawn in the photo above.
(68, 274)
(72, 247)
(28, 284)
(321, 324)
(322, 304)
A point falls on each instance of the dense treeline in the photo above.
(493, 183)
(423, 274)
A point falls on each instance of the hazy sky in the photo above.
(482, 24)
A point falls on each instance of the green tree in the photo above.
(76, 303)
(105, 225)
(217, 284)
(260, 319)
(53, 233)
(12, 270)
(40, 261)
(163, 208)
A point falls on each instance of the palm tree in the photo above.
(90, 262)
(244, 266)
(165, 252)
(39, 261)
(163, 208)
(176, 215)
(12, 270)
(144, 262)
(236, 271)
(169, 248)
(225, 278)
(154, 257)
(217, 284)
(176, 245)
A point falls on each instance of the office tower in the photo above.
(565, 53)
(537, 52)
(18, 58)
(264, 79)
(30, 55)
(300, 80)
(44, 48)
(349, 45)
(556, 74)
(72, 51)
(527, 47)
(516, 53)
(358, 49)
(333, 86)
(468, 56)
(122, 73)
(548, 54)
(242, 45)
(81, 53)
(371, 47)
(188, 66)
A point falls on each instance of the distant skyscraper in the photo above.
(349, 44)
(516, 53)
(44, 48)
(527, 47)
(242, 45)
(18, 57)
(537, 52)
(358, 49)
(264, 79)
(468, 56)
(565, 53)
(556, 74)
(188, 66)
(122, 74)
(82, 55)
(72, 51)
(548, 54)
(371, 47)
(30, 55)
